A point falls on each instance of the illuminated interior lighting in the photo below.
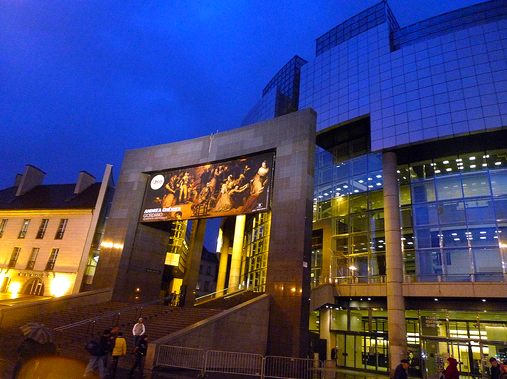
(437, 171)
(446, 162)
(454, 234)
(460, 167)
(379, 184)
(486, 156)
(472, 158)
(498, 163)
(483, 300)
(472, 166)
(459, 160)
(484, 165)
(378, 176)
(482, 232)
(448, 169)
(370, 178)
(356, 191)
(345, 186)
(435, 299)
(360, 181)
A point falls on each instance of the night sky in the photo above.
(82, 81)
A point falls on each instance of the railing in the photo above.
(236, 363)
(211, 296)
(228, 291)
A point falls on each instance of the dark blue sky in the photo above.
(82, 81)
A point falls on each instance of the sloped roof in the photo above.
(52, 196)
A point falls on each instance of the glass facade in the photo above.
(455, 215)
(361, 337)
(350, 193)
(256, 247)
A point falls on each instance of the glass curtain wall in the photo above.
(255, 261)
(454, 211)
(453, 215)
(471, 337)
(350, 192)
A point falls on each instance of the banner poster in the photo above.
(226, 188)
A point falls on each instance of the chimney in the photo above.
(84, 181)
(32, 177)
(17, 181)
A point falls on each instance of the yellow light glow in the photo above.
(59, 286)
(111, 245)
(14, 288)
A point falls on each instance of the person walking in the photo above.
(119, 350)
(140, 352)
(138, 330)
(98, 355)
(401, 371)
(451, 371)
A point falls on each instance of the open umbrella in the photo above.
(38, 332)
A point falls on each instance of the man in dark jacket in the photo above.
(140, 353)
(401, 371)
(98, 355)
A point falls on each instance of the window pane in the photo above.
(487, 264)
(429, 264)
(425, 237)
(482, 236)
(501, 209)
(425, 214)
(499, 182)
(451, 212)
(458, 265)
(423, 192)
(476, 184)
(480, 211)
(449, 188)
(454, 238)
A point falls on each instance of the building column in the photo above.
(237, 250)
(396, 324)
(191, 277)
(222, 266)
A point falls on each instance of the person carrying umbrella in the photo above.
(38, 343)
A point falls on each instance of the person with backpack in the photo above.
(119, 350)
(98, 355)
(140, 353)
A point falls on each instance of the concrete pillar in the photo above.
(237, 250)
(222, 265)
(394, 263)
(194, 260)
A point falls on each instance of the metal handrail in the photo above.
(224, 292)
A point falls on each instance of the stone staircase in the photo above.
(72, 332)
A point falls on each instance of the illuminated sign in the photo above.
(227, 188)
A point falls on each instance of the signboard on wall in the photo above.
(237, 186)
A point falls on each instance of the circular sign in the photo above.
(157, 182)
